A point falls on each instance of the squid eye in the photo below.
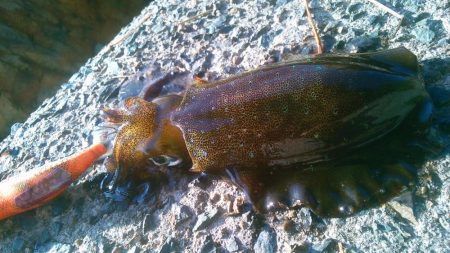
(165, 160)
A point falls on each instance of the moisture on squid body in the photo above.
(333, 132)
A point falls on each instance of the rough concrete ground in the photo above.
(222, 38)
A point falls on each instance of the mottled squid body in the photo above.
(279, 121)
(299, 112)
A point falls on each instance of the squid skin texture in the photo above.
(300, 112)
(283, 117)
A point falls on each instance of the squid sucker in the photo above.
(334, 132)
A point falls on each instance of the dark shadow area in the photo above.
(436, 75)
(42, 43)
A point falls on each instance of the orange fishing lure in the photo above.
(35, 188)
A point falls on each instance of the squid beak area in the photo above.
(119, 186)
